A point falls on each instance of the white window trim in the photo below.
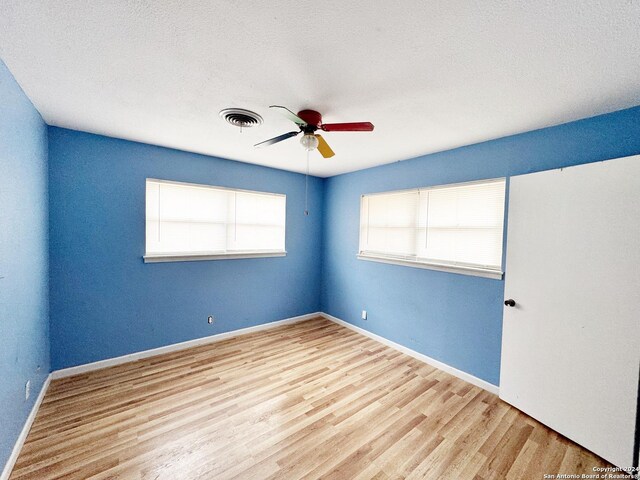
(211, 256)
(465, 270)
(213, 187)
(194, 257)
(472, 270)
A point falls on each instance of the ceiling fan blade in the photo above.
(324, 148)
(277, 139)
(290, 115)
(347, 127)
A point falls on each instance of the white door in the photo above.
(571, 343)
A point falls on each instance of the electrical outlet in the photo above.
(210, 319)
(27, 390)
(364, 314)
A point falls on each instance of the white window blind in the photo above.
(200, 220)
(452, 225)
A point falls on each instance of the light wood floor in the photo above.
(312, 400)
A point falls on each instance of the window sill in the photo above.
(473, 271)
(215, 256)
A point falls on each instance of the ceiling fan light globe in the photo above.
(309, 142)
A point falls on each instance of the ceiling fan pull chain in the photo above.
(306, 188)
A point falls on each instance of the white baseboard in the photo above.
(11, 461)
(88, 367)
(110, 362)
(478, 382)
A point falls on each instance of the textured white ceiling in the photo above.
(431, 75)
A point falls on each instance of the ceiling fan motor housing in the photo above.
(313, 119)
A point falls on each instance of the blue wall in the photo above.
(106, 302)
(453, 318)
(24, 286)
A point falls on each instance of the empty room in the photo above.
(319, 240)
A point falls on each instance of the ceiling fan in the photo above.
(309, 121)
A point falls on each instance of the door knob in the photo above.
(510, 303)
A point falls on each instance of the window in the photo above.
(199, 222)
(451, 227)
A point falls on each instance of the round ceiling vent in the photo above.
(239, 117)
